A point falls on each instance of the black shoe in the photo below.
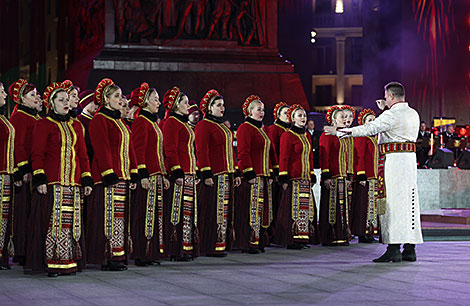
(52, 274)
(113, 266)
(408, 253)
(262, 249)
(253, 251)
(305, 246)
(68, 274)
(392, 254)
(366, 239)
(294, 246)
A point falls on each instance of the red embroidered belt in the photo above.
(397, 147)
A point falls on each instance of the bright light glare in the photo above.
(339, 9)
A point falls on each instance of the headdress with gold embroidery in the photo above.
(277, 109)
(172, 97)
(50, 91)
(101, 90)
(68, 85)
(248, 101)
(207, 100)
(292, 109)
(363, 114)
(16, 89)
(144, 92)
(331, 112)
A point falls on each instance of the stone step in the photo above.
(452, 216)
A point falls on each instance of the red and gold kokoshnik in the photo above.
(144, 92)
(16, 89)
(330, 113)
(171, 97)
(68, 85)
(363, 114)
(207, 100)
(49, 92)
(277, 108)
(248, 101)
(101, 89)
(292, 109)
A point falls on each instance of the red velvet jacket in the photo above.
(114, 156)
(333, 156)
(256, 155)
(275, 132)
(178, 145)
(7, 146)
(148, 145)
(23, 120)
(85, 119)
(367, 156)
(59, 152)
(214, 148)
(296, 156)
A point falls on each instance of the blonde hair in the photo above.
(252, 105)
(109, 91)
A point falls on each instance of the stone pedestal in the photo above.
(197, 65)
(443, 188)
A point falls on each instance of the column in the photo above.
(340, 41)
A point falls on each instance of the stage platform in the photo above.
(446, 224)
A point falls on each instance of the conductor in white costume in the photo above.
(398, 204)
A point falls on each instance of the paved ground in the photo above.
(320, 275)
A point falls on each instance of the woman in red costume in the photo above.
(180, 209)
(217, 163)
(114, 171)
(364, 207)
(275, 131)
(23, 119)
(297, 219)
(257, 161)
(334, 213)
(147, 216)
(7, 164)
(60, 170)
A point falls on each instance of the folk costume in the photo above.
(297, 218)
(59, 160)
(180, 207)
(86, 97)
(257, 160)
(351, 160)
(274, 132)
(364, 221)
(147, 214)
(216, 160)
(334, 201)
(398, 203)
(114, 166)
(7, 164)
(23, 121)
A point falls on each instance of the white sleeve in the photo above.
(381, 124)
